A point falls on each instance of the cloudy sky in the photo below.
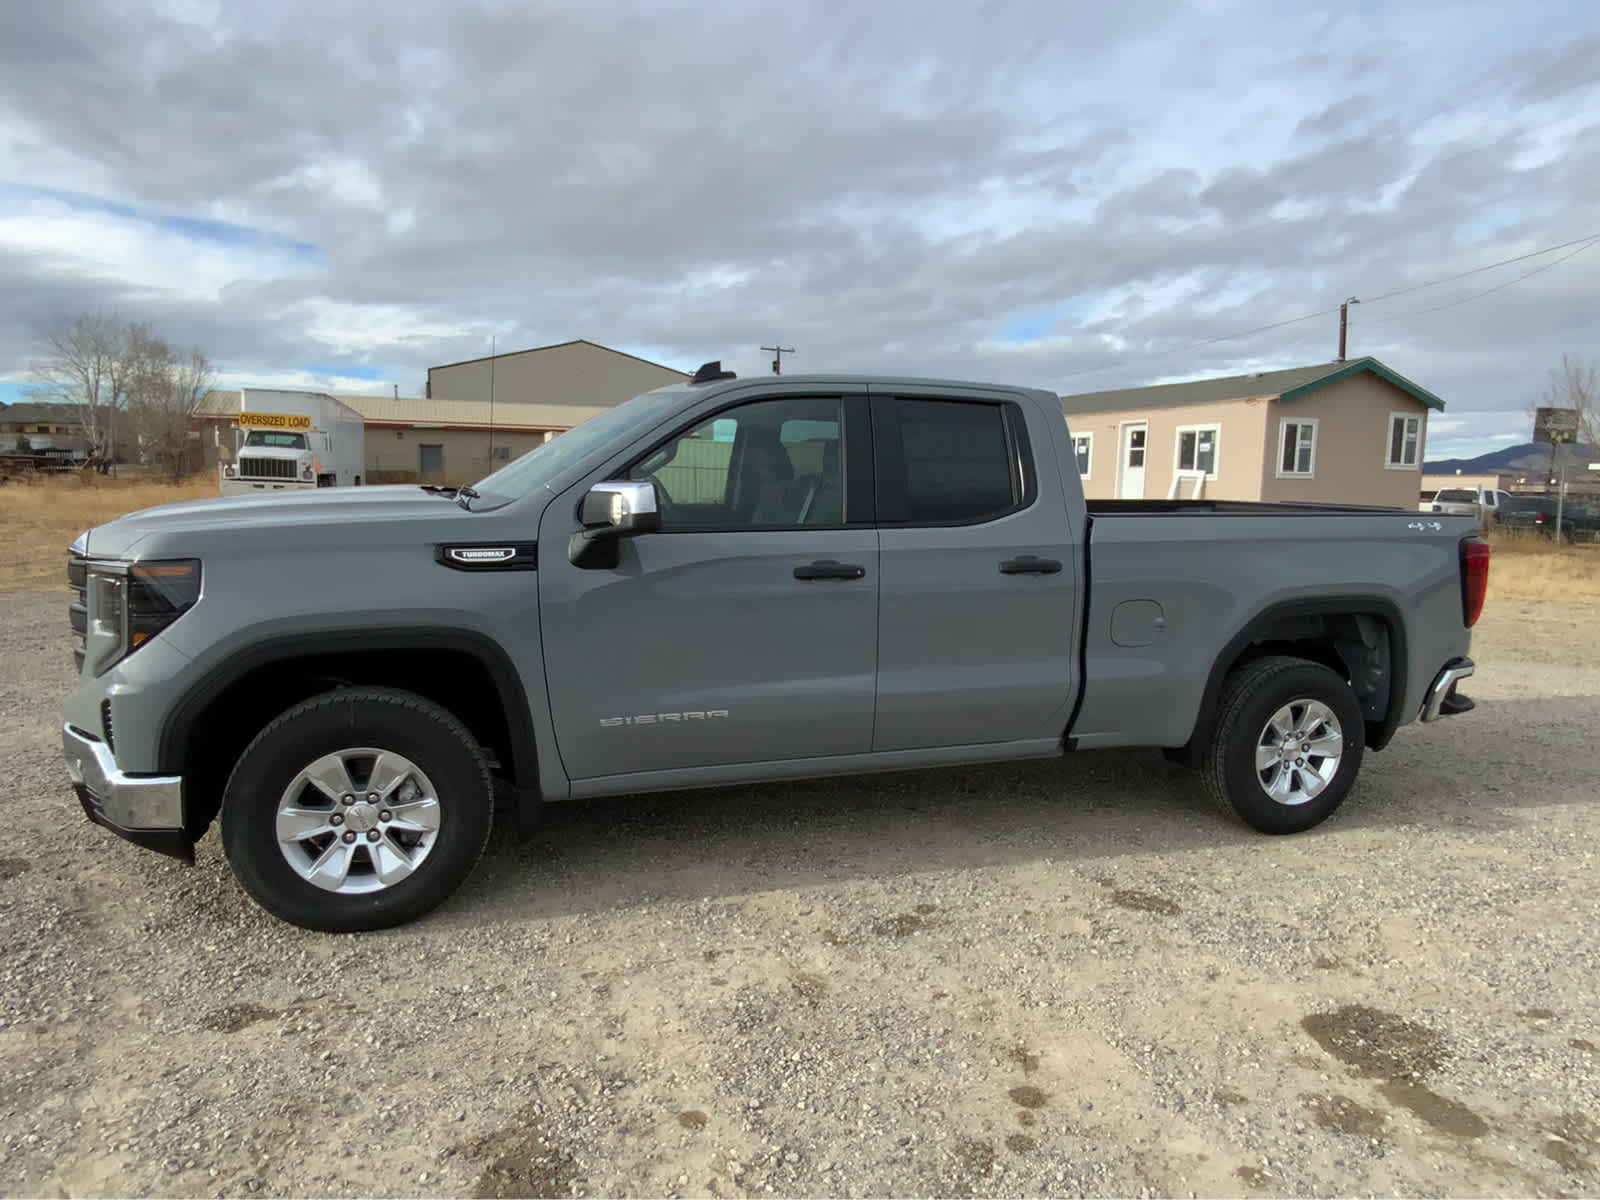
(1074, 196)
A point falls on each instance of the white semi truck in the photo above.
(292, 440)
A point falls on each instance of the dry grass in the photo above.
(39, 520)
(1528, 569)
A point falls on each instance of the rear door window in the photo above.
(947, 462)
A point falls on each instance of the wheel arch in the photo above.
(1363, 637)
(463, 671)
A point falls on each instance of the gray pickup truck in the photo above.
(723, 582)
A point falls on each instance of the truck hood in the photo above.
(236, 518)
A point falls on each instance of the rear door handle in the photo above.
(1028, 564)
(827, 568)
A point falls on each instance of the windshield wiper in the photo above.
(464, 493)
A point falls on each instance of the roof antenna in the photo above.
(711, 371)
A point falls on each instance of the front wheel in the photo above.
(358, 809)
(1287, 746)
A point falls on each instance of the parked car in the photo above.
(1480, 502)
(1580, 520)
(721, 582)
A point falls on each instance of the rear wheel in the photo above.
(359, 809)
(1287, 746)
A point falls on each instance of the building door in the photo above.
(431, 464)
(1130, 464)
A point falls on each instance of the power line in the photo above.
(1505, 262)
(1591, 242)
(1582, 244)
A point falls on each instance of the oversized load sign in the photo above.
(249, 420)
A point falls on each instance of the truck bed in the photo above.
(1254, 508)
(1169, 599)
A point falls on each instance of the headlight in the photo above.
(305, 473)
(228, 471)
(130, 603)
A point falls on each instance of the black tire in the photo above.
(1250, 698)
(426, 736)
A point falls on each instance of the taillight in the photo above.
(1474, 578)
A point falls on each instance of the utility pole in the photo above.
(1344, 323)
(491, 402)
(1561, 499)
(778, 353)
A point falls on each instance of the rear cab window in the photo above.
(950, 461)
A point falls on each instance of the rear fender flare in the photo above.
(1379, 733)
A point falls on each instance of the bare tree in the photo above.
(166, 386)
(122, 378)
(1574, 385)
(87, 364)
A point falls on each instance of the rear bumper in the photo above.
(1441, 700)
(147, 810)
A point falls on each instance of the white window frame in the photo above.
(1215, 429)
(1388, 442)
(1088, 453)
(1283, 435)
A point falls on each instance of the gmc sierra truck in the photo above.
(719, 582)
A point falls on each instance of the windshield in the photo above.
(1457, 495)
(279, 441)
(543, 463)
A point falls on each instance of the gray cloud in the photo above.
(1337, 117)
(885, 186)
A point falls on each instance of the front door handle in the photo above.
(1027, 564)
(826, 568)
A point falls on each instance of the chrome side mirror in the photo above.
(610, 512)
(620, 509)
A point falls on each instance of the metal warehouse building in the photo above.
(477, 415)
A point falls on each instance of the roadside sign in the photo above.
(249, 420)
(1552, 425)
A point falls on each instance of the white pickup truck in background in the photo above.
(1481, 502)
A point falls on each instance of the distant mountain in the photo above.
(1529, 456)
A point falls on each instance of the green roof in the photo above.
(1289, 384)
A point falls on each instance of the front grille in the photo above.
(267, 468)
(78, 609)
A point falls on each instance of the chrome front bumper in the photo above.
(1441, 700)
(144, 809)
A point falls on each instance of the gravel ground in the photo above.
(1068, 978)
